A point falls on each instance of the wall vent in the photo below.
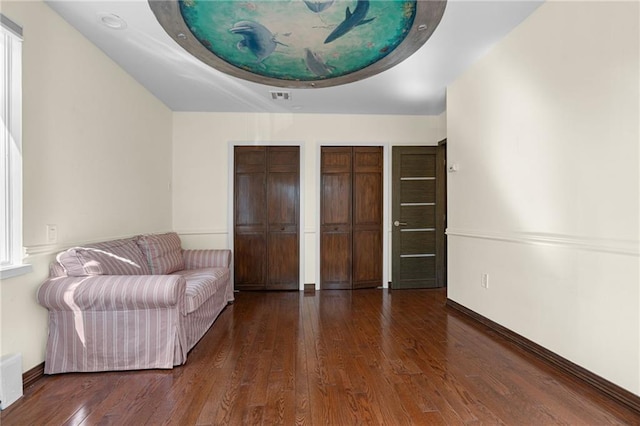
(280, 96)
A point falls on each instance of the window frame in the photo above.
(11, 249)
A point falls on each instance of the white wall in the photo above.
(545, 131)
(97, 160)
(201, 166)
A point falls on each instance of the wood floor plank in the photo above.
(370, 357)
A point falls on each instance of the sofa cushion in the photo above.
(117, 257)
(201, 285)
(163, 252)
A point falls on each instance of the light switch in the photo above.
(52, 233)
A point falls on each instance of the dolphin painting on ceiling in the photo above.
(351, 20)
(316, 65)
(255, 37)
(318, 6)
(326, 42)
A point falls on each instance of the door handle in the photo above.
(398, 223)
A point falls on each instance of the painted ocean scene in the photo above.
(299, 40)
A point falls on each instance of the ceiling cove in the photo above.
(300, 43)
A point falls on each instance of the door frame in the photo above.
(443, 213)
(230, 198)
(386, 204)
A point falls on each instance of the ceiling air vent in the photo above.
(280, 96)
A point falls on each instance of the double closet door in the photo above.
(351, 217)
(266, 217)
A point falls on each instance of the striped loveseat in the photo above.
(130, 304)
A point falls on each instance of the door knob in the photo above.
(398, 223)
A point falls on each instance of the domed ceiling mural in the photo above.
(300, 43)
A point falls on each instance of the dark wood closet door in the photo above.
(335, 218)
(283, 196)
(351, 217)
(367, 217)
(266, 215)
(250, 218)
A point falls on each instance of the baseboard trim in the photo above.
(33, 375)
(310, 288)
(601, 384)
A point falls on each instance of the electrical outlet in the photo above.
(485, 281)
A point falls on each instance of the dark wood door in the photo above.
(351, 217)
(266, 218)
(335, 217)
(367, 217)
(250, 218)
(283, 194)
(417, 221)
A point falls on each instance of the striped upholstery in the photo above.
(112, 293)
(131, 322)
(56, 270)
(101, 323)
(201, 319)
(196, 259)
(163, 251)
(118, 257)
(202, 284)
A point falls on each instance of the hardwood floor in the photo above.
(330, 357)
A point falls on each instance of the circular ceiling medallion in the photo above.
(300, 43)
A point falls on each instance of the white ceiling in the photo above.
(417, 86)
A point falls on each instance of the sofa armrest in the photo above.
(212, 258)
(112, 292)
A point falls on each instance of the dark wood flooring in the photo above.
(330, 357)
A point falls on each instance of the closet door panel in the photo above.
(367, 159)
(282, 190)
(367, 217)
(284, 259)
(283, 195)
(367, 202)
(367, 258)
(335, 261)
(336, 196)
(250, 208)
(336, 159)
(250, 253)
(250, 214)
(250, 159)
(335, 217)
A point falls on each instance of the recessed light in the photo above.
(422, 27)
(181, 36)
(112, 21)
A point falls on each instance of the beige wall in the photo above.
(201, 167)
(97, 160)
(546, 200)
